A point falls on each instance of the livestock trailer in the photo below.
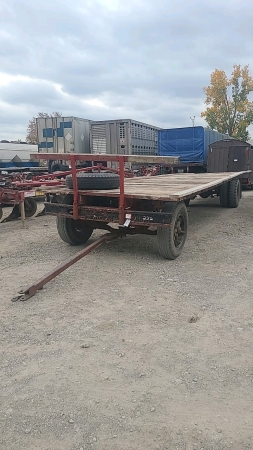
(123, 137)
(190, 144)
(231, 155)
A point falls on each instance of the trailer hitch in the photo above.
(31, 290)
(114, 233)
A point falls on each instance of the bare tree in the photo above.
(31, 137)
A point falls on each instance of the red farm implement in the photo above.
(123, 205)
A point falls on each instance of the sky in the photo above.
(146, 60)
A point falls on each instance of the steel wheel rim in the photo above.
(78, 226)
(179, 230)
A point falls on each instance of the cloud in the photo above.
(105, 59)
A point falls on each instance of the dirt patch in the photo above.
(106, 357)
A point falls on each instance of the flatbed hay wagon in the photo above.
(101, 199)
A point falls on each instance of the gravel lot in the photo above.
(126, 350)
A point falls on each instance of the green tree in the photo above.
(229, 108)
(31, 137)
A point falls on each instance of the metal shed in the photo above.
(231, 155)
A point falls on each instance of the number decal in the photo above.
(147, 219)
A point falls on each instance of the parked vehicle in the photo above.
(190, 144)
(146, 205)
(62, 135)
(123, 137)
(16, 156)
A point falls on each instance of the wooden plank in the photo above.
(170, 187)
(152, 159)
(145, 159)
(174, 187)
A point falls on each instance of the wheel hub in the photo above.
(179, 231)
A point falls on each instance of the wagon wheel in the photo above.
(224, 195)
(234, 193)
(73, 232)
(171, 239)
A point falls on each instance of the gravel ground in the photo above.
(126, 350)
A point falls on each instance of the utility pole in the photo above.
(193, 120)
(193, 137)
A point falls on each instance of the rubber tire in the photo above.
(165, 235)
(224, 188)
(58, 167)
(205, 194)
(30, 207)
(100, 180)
(234, 193)
(1, 213)
(67, 230)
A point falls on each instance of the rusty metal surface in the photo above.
(172, 188)
(110, 215)
(121, 217)
(31, 290)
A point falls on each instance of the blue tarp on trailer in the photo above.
(190, 143)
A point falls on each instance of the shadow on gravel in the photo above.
(145, 247)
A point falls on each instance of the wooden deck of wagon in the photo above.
(174, 187)
(83, 211)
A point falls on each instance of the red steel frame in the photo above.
(122, 192)
(20, 187)
(31, 290)
(73, 158)
(114, 233)
(120, 159)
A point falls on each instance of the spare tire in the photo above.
(96, 180)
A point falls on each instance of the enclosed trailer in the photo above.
(123, 137)
(190, 144)
(63, 135)
(231, 155)
(17, 155)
